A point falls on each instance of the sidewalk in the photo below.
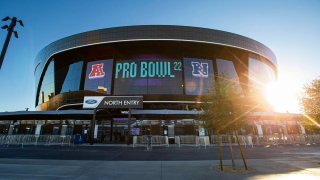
(156, 170)
(86, 162)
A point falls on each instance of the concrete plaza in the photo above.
(121, 162)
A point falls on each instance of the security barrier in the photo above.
(2, 139)
(155, 141)
(249, 140)
(35, 140)
(192, 140)
(245, 140)
(189, 140)
(59, 140)
(288, 139)
(204, 141)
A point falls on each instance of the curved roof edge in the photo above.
(155, 32)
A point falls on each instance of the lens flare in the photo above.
(311, 120)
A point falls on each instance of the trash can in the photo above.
(79, 139)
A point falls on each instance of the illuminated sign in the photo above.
(96, 71)
(200, 69)
(148, 76)
(198, 76)
(99, 76)
(147, 69)
(112, 102)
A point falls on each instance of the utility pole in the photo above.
(10, 30)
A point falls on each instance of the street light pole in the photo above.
(10, 30)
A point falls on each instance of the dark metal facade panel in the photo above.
(154, 32)
(47, 115)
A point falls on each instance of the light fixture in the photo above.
(21, 23)
(6, 18)
(10, 30)
(16, 34)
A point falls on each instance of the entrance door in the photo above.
(119, 135)
(171, 131)
(112, 133)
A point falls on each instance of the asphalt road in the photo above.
(124, 153)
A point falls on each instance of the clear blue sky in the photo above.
(291, 28)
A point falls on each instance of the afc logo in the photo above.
(96, 71)
(200, 69)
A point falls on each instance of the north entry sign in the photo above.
(112, 102)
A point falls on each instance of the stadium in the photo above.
(170, 66)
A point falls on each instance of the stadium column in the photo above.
(111, 130)
(129, 127)
(92, 126)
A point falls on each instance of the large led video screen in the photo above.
(99, 76)
(148, 76)
(198, 76)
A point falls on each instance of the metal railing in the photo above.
(192, 140)
(288, 139)
(155, 141)
(249, 140)
(35, 140)
(244, 140)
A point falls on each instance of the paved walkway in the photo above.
(156, 170)
(292, 164)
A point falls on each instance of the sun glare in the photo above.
(282, 96)
(273, 95)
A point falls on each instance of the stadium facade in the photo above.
(170, 66)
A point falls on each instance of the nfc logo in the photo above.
(200, 69)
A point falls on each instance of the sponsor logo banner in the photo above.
(112, 102)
